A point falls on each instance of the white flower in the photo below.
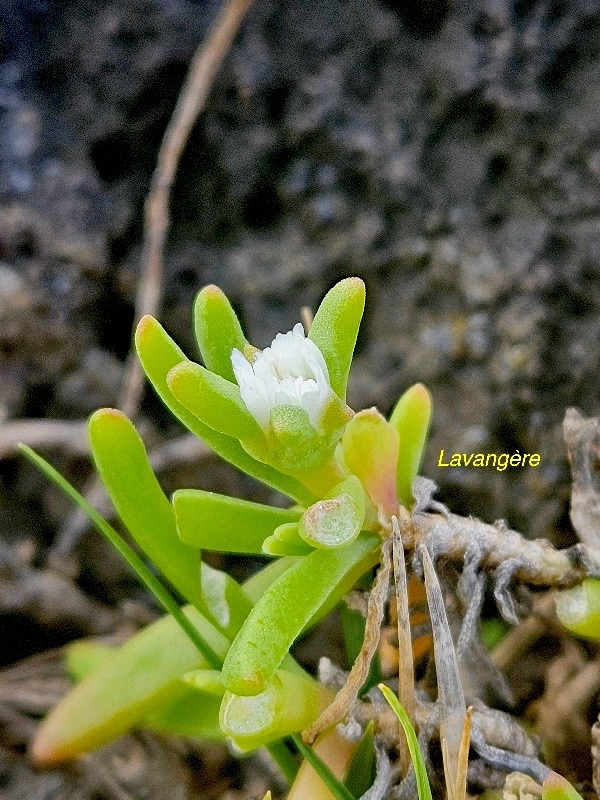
(291, 372)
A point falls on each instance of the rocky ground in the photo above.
(448, 154)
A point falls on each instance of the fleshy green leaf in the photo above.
(158, 354)
(315, 582)
(288, 704)
(423, 787)
(213, 400)
(218, 331)
(371, 448)
(206, 680)
(84, 656)
(579, 609)
(295, 444)
(187, 713)
(336, 520)
(286, 541)
(121, 460)
(555, 787)
(131, 557)
(258, 584)
(141, 683)
(335, 328)
(213, 521)
(411, 417)
(144, 674)
(273, 546)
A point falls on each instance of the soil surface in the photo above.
(448, 155)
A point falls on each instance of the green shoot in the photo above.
(423, 787)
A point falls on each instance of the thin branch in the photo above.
(345, 698)
(69, 437)
(536, 562)
(192, 97)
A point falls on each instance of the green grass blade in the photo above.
(423, 787)
(134, 561)
(361, 772)
(336, 787)
(285, 760)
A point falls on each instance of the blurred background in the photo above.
(446, 152)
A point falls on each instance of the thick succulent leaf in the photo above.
(288, 704)
(295, 443)
(188, 712)
(411, 417)
(121, 460)
(141, 683)
(336, 520)
(213, 521)
(257, 585)
(316, 582)
(579, 609)
(218, 331)
(215, 401)
(84, 656)
(335, 328)
(146, 576)
(371, 448)
(273, 546)
(206, 680)
(555, 787)
(158, 354)
(144, 674)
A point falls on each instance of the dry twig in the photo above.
(70, 437)
(192, 97)
(345, 698)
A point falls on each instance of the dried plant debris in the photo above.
(583, 443)
(347, 695)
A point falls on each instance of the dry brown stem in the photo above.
(536, 562)
(406, 669)
(192, 97)
(345, 698)
(70, 437)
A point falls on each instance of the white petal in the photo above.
(292, 371)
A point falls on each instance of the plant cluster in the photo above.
(220, 666)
